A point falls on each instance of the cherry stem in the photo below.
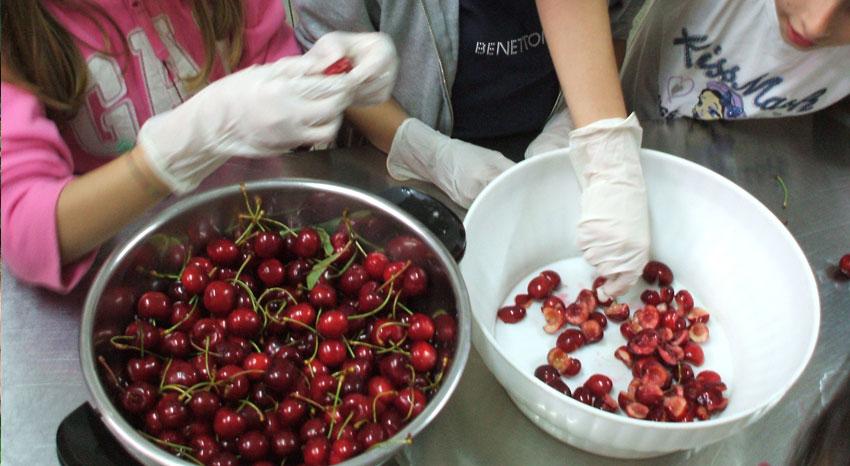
(243, 403)
(344, 423)
(440, 375)
(337, 401)
(377, 309)
(183, 449)
(236, 281)
(348, 347)
(169, 276)
(183, 320)
(784, 190)
(392, 278)
(109, 371)
(164, 373)
(408, 441)
(308, 401)
(412, 405)
(375, 403)
(405, 308)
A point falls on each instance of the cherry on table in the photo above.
(844, 264)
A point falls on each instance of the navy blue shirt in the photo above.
(506, 82)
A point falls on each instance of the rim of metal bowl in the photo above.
(143, 448)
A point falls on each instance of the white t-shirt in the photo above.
(710, 59)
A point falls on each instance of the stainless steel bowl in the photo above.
(108, 310)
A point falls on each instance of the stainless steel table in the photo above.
(42, 380)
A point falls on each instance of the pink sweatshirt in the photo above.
(39, 158)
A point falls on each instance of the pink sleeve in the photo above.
(36, 165)
(267, 36)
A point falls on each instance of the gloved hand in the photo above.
(613, 231)
(555, 135)
(374, 57)
(459, 169)
(259, 111)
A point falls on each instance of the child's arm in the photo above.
(578, 34)
(51, 218)
(99, 204)
(52, 221)
(613, 231)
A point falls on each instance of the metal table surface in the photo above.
(42, 380)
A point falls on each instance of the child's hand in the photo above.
(614, 228)
(259, 111)
(459, 169)
(374, 57)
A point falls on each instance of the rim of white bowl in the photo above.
(712, 422)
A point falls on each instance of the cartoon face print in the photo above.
(708, 106)
(718, 102)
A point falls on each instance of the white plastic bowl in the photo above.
(731, 252)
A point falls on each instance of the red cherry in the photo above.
(268, 244)
(374, 263)
(539, 287)
(243, 323)
(332, 324)
(154, 305)
(423, 356)
(194, 279)
(599, 385)
(844, 264)
(229, 424)
(343, 65)
(420, 327)
(445, 327)
(219, 297)
(332, 352)
(222, 251)
(308, 243)
(511, 314)
(415, 281)
(271, 272)
(323, 296)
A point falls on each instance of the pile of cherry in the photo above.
(663, 344)
(271, 345)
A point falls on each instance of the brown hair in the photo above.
(40, 55)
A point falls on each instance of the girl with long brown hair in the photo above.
(109, 106)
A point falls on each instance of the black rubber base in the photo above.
(83, 440)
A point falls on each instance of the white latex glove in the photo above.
(555, 135)
(459, 169)
(614, 228)
(259, 111)
(374, 57)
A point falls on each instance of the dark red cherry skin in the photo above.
(308, 243)
(332, 324)
(511, 314)
(222, 251)
(844, 264)
(219, 297)
(194, 279)
(154, 305)
(228, 423)
(539, 287)
(599, 385)
(268, 244)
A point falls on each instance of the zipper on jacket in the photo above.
(442, 70)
